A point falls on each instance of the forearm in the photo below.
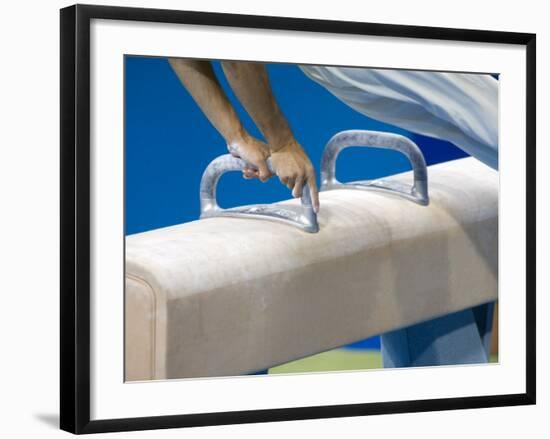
(250, 83)
(199, 79)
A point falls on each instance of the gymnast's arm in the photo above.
(199, 79)
(250, 83)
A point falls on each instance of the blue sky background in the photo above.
(169, 142)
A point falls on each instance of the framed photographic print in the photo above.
(273, 218)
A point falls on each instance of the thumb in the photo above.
(263, 171)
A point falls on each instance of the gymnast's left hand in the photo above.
(294, 169)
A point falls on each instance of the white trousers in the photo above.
(461, 108)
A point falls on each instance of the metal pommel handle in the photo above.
(302, 216)
(419, 190)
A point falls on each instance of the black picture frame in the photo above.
(75, 217)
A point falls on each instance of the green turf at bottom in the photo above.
(337, 359)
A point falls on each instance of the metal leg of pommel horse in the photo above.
(462, 337)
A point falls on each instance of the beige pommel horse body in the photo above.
(225, 296)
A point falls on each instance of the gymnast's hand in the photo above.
(253, 151)
(290, 163)
(250, 83)
(199, 79)
(294, 169)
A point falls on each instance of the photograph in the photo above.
(274, 219)
(295, 218)
(271, 218)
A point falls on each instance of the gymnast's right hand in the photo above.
(252, 151)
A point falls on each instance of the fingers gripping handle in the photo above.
(227, 163)
(418, 192)
(303, 217)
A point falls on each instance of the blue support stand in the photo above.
(259, 372)
(459, 338)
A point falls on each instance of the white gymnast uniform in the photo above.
(461, 108)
